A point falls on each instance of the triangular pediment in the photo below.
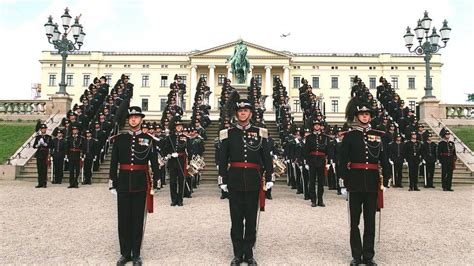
(227, 50)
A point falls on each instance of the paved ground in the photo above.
(62, 226)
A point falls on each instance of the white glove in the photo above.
(275, 157)
(306, 166)
(424, 162)
(168, 156)
(269, 185)
(287, 161)
(41, 142)
(391, 162)
(405, 163)
(66, 159)
(341, 182)
(167, 132)
(224, 187)
(217, 166)
(297, 141)
(174, 155)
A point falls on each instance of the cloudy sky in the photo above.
(316, 26)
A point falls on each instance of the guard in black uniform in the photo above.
(43, 143)
(395, 153)
(315, 150)
(447, 158)
(244, 149)
(89, 152)
(428, 155)
(131, 154)
(412, 154)
(74, 156)
(362, 153)
(58, 151)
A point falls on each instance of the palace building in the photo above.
(329, 74)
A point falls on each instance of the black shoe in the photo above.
(449, 189)
(306, 198)
(417, 189)
(269, 197)
(321, 204)
(180, 204)
(251, 261)
(370, 262)
(223, 197)
(339, 193)
(70, 186)
(123, 260)
(410, 189)
(137, 261)
(313, 204)
(235, 261)
(299, 192)
(356, 262)
(444, 189)
(173, 203)
(39, 186)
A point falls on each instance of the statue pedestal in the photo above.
(429, 107)
(60, 104)
(241, 89)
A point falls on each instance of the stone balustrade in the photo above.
(29, 107)
(460, 111)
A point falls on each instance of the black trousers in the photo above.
(158, 177)
(131, 216)
(447, 175)
(74, 172)
(291, 176)
(413, 168)
(96, 163)
(332, 178)
(163, 177)
(398, 169)
(176, 185)
(305, 179)
(58, 165)
(430, 168)
(316, 172)
(42, 166)
(243, 207)
(88, 162)
(366, 202)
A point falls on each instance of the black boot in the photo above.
(252, 262)
(356, 262)
(235, 261)
(370, 262)
(137, 261)
(123, 260)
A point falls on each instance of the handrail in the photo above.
(455, 138)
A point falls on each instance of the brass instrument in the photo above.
(279, 167)
(196, 164)
(161, 161)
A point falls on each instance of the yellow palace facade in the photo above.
(329, 74)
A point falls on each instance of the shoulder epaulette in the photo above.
(223, 134)
(263, 132)
(380, 132)
(114, 136)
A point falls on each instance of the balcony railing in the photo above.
(459, 111)
(23, 106)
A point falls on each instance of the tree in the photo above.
(470, 97)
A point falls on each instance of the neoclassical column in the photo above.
(286, 77)
(192, 84)
(268, 87)
(229, 73)
(210, 83)
(249, 75)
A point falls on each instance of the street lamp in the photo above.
(429, 46)
(62, 43)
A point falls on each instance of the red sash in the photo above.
(262, 191)
(142, 167)
(365, 166)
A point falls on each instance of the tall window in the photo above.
(163, 103)
(69, 80)
(296, 82)
(274, 78)
(334, 82)
(258, 78)
(220, 79)
(52, 80)
(316, 82)
(203, 76)
(164, 81)
(372, 83)
(334, 106)
(412, 105)
(86, 80)
(395, 82)
(411, 83)
(145, 104)
(108, 79)
(146, 82)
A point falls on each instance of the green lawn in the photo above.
(12, 136)
(466, 134)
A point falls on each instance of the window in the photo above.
(86, 80)
(69, 80)
(296, 82)
(315, 82)
(395, 82)
(108, 78)
(203, 76)
(164, 81)
(258, 78)
(334, 106)
(411, 83)
(412, 105)
(145, 104)
(334, 82)
(372, 83)
(220, 79)
(52, 80)
(163, 103)
(274, 78)
(145, 81)
(183, 79)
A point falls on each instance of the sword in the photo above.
(302, 180)
(393, 173)
(380, 223)
(294, 170)
(424, 174)
(52, 169)
(82, 171)
(288, 174)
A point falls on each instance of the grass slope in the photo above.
(12, 136)
(466, 134)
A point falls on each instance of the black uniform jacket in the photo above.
(246, 145)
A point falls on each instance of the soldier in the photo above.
(245, 148)
(412, 154)
(43, 143)
(195, 147)
(315, 151)
(133, 150)
(175, 149)
(58, 151)
(74, 148)
(361, 152)
(100, 136)
(447, 158)
(89, 153)
(395, 154)
(428, 155)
